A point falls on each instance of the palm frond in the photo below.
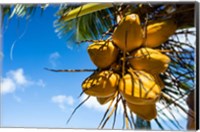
(84, 10)
(77, 109)
(90, 26)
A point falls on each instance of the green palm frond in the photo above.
(84, 10)
(91, 26)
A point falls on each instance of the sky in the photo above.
(34, 97)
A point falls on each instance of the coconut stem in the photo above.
(71, 70)
(104, 116)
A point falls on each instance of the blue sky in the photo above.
(34, 97)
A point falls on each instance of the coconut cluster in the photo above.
(130, 65)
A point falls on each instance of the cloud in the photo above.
(16, 79)
(18, 76)
(62, 101)
(53, 58)
(92, 103)
(54, 55)
(13, 79)
(7, 86)
(40, 83)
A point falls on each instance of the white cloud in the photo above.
(7, 86)
(93, 104)
(41, 83)
(18, 76)
(13, 79)
(62, 101)
(53, 57)
(16, 79)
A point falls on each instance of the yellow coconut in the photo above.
(149, 60)
(105, 100)
(128, 34)
(139, 87)
(146, 112)
(103, 53)
(101, 84)
(159, 31)
(115, 66)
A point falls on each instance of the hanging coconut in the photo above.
(101, 84)
(146, 112)
(128, 34)
(149, 60)
(159, 31)
(105, 100)
(102, 53)
(139, 87)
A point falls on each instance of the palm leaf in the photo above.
(90, 26)
(84, 10)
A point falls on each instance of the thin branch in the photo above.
(71, 70)
(123, 125)
(175, 99)
(108, 117)
(104, 116)
(127, 120)
(132, 119)
(81, 93)
(175, 103)
(171, 121)
(158, 123)
(174, 117)
(115, 114)
(114, 119)
(77, 108)
(164, 121)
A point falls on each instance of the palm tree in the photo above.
(87, 24)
